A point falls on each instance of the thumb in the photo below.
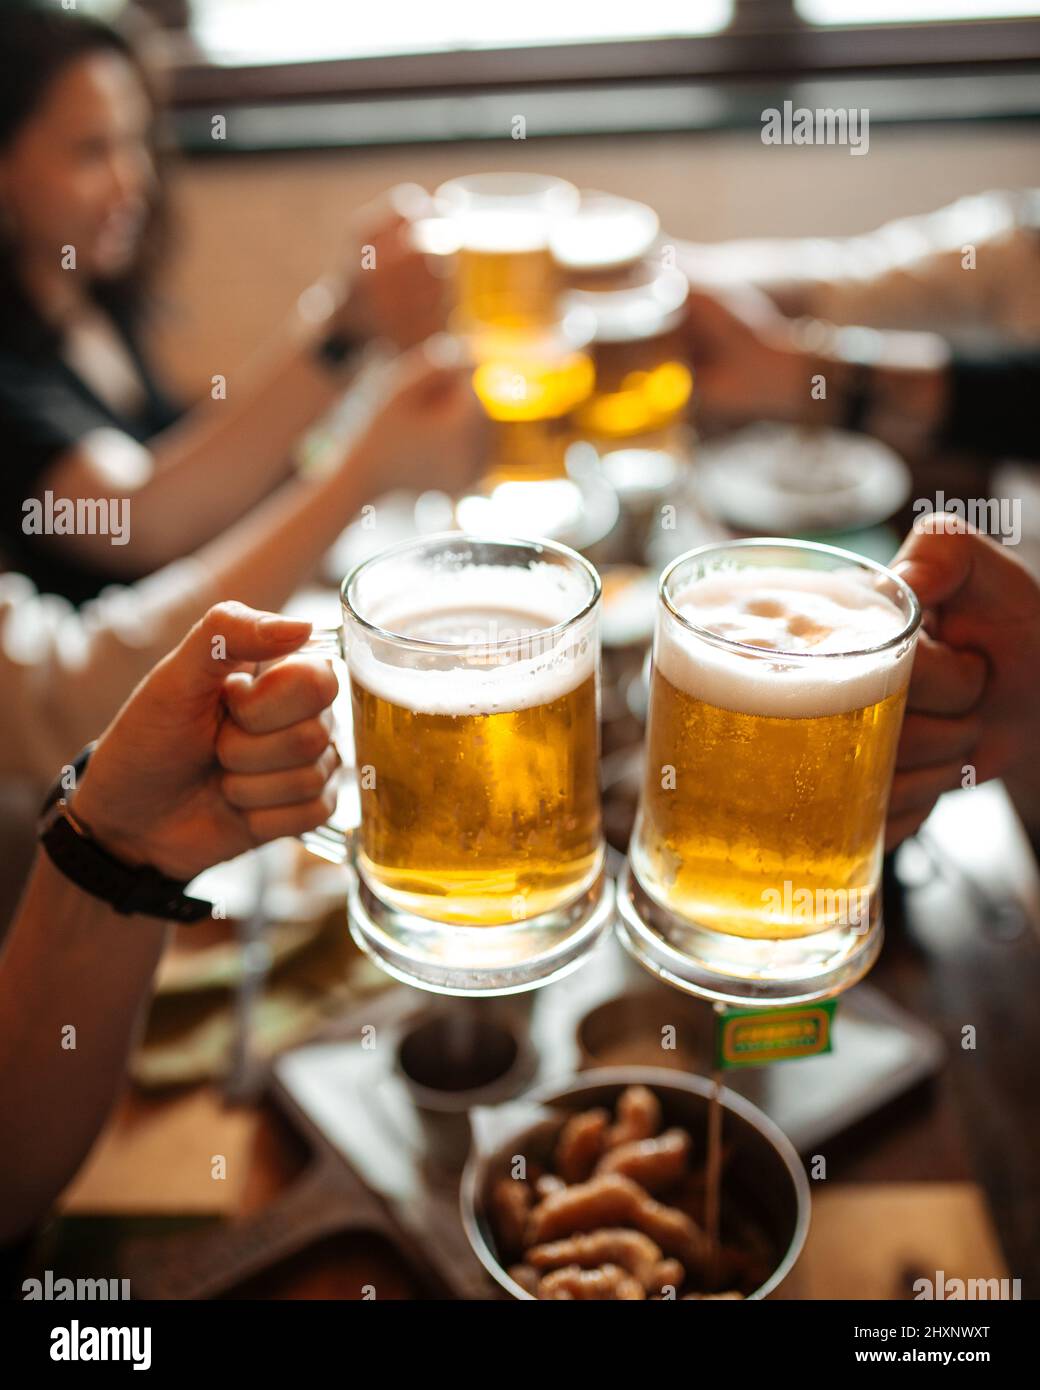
(230, 636)
(937, 558)
(982, 593)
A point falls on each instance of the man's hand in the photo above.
(205, 760)
(972, 701)
(744, 361)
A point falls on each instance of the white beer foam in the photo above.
(502, 233)
(480, 606)
(796, 617)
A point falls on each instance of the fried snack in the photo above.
(614, 1200)
(526, 1277)
(653, 1163)
(511, 1203)
(616, 1215)
(666, 1274)
(547, 1184)
(631, 1250)
(712, 1297)
(691, 1194)
(580, 1144)
(606, 1282)
(638, 1117)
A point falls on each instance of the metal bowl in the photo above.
(764, 1175)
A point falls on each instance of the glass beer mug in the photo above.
(779, 678)
(507, 281)
(531, 369)
(478, 863)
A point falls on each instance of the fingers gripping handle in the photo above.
(333, 841)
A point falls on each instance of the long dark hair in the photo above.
(37, 43)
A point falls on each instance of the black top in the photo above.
(45, 410)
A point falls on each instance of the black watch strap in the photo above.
(859, 398)
(338, 348)
(126, 888)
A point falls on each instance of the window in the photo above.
(911, 11)
(307, 74)
(235, 32)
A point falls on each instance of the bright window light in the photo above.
(276, 31)
(911, 11)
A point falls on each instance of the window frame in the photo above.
(766, 45)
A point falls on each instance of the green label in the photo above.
(755, 1037)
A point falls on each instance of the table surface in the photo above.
(946, 1173)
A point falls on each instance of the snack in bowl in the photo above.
(616, 1211)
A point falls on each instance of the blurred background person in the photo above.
(64, 671)
(82, 416)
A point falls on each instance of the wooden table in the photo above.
(944, 1178)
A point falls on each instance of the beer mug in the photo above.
(478, 863)
(507, 279)
(779, 676)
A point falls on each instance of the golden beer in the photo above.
(530, 373)
(507, 280)
(474, 680)
(528, 395)
(477, 744)
(643, 383)
(772, 828)
(640, 387)
(480, 818)
(775, 712)
(506, 287)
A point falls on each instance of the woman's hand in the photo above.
(205, 760)
(391, 292)
(429, 429)
(972, 701)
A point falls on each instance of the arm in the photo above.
(970, 265)
(74, 669)
(206, 471)
(176, 781)
(53, 1096)
(752, 363)
(203, 473)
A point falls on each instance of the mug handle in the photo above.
(335, 844)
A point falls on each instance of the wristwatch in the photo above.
(339, 348)
(127, 888)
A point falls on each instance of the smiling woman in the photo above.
(81, 414)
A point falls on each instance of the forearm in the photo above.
(73, 687)
(229, 454)
(275, 549)
(205, 472)
(911, 273)
(74, 980)
(789, 270)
